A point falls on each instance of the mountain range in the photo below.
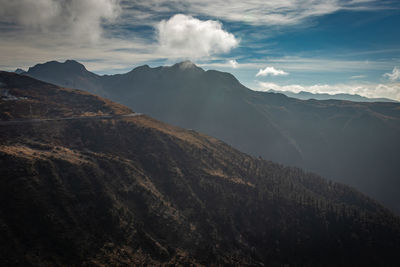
(350, 142)
(127, 191)
(321, 96)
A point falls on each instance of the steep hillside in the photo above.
(134, 191)
(24, 97)
(353, 143)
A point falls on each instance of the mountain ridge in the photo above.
(304, 95)
(351, 142)
(135, 191)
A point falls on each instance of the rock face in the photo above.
(137, 191)
(349, 142)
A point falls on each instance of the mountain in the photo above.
(349, 142)
(19, 71)
(321, 96)
(136, 191)
(71, 74)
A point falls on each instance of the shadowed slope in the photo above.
(36, 99)
(135, 190)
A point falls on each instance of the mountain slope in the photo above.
(203, 100)
(353, 143)
(134, 191)
(24, 97)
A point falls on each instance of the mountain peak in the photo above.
(69, 65)
(72, 62)
(186, 65)
(143, 67)
(19, 71)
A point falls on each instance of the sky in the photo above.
(326, 46)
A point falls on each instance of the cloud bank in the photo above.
(72, 19)
(271, 71)
(188, 37)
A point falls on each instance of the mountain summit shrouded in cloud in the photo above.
(318, 42)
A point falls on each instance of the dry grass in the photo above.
(61, 153)
(188, 136)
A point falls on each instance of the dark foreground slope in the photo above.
(134, 191)
(348, 142)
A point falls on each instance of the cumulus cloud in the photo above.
(271, 71)
(74, 18)
(394, 76)
(368, 89)
(233, 63)
(187, 37)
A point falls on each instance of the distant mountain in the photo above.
(135, 191)
(19, 71)
(320, 96)
(351, 142)
(69, 74)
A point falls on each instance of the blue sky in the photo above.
(329, 46)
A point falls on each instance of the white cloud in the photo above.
(270, 71)
(358, 77)
(367, 89)
(394, 76)
(77, 19)
(186, 37)
(233, 63)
